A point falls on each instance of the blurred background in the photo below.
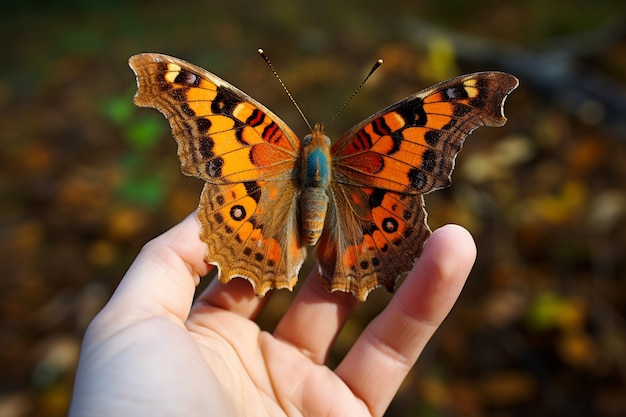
(86, 178)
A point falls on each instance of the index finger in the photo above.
(162, 279)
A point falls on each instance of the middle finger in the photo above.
(315, 318)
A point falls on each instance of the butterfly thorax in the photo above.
(315, 178)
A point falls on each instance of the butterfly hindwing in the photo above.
(245, 239)
(395, 156)
(247, 156)
(384, 233)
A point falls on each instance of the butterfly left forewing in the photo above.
(396, 155)
(212, 120)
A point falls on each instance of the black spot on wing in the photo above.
(214, 167)
(461, 110)
(432, 137)
(162, 68)
(454, 92)
(412, 111)
(239, 135)
(206, 146)
(253, 190)
(389, 225)
(187, 110)
(397, 143)
(224, 102)
(417, 179)
(238, 212)
(376, 198)
(179, 94)
(203, 124)
(187, 78)
(429, 160)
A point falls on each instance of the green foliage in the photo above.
(551, 310)
(142, 133)
(145, 133)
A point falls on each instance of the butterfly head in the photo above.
(317, 137)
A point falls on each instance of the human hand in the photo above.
(151, 352)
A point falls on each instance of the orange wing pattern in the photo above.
(249, 159)
(382, 167)
(259, 182)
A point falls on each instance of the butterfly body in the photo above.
(268, 195)
(316, 175)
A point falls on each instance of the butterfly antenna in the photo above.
(269, 64)
(374, 68)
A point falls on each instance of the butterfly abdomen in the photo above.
(313, 206)
(315, 178)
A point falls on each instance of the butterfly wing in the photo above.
(249, 160)
(376, 226)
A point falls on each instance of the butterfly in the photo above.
(268, 195)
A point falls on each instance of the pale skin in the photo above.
(152, 351)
